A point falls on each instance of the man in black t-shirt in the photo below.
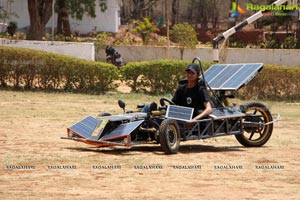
(193, 94)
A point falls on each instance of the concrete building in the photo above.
(108, 21)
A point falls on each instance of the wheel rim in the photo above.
(172, 135)
(259, 132)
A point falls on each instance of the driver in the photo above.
(193, 94)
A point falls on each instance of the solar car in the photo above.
(165, 124)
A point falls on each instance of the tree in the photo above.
(275, 22)
(76, 9)
(40, 11)
(136, 9)
(185, 36)
(6, 13)
(145, 28)
(63, 25)
(204, 12)
(175, 9)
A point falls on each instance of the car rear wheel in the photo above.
(256, 129)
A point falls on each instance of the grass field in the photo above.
(31, 124)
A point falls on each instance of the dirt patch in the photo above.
(37, 164)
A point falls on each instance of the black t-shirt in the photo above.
(191, 97)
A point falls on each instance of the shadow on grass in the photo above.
(156, 149)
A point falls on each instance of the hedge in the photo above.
(31, 69)
(274, 83)
(37, 69)
(160, 76)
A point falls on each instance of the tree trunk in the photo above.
(175, 8)
(63, 24)
(181, 52)
(40, 12)
(138, 9)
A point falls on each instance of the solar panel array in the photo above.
(231, 76)
(85, 127)
(222, 113)
(122, 130)
(179, 113)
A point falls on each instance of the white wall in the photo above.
(107, 21)
(75, 49)
(289, 57)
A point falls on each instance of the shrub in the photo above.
(37, 69)
(274, 83)
(185, 36)
(160, 76)
(145, 28)
(30, 69)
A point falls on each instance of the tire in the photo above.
(255, 136)
(169, 136)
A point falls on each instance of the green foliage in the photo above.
(145, 28)
(101, 40)
(288, 43)
(185, 36)
(274, 83)
(156, 77)
(270, 44)
(29, 69)
(78, 8)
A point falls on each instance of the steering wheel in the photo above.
(163, 101)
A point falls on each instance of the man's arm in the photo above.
(206, 112)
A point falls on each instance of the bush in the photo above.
(274, 83)
(145, 28)
(162, 76)
(158, 77)
(30, 69)
(185, 35)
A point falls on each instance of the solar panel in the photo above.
(223, 113)
(85, 127)
(122, 130)
(179, 112)
(231, 76)
(99, 129)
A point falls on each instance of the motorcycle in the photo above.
(113, 56)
